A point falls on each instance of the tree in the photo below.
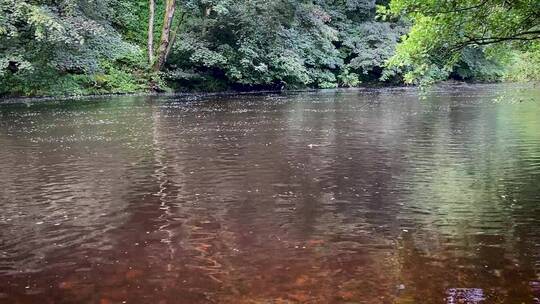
(442, 30)
(167, 34)
(56, 47)
(281, 43)
(152, 13)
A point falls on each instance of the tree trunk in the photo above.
(151, 32)
(165, 40)
(174, 32)
(206, 13)
(171, 42)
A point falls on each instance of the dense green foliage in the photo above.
(283, 43)
(56, 47)
(479, 39)
(83, 46)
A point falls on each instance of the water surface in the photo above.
(347, 196)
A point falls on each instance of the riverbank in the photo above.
(31, 99)
(201, 95)
(22, 100)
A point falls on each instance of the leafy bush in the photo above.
(99, 46)
(64, 48)
(525, 65)
(475, 64)
(285, 43)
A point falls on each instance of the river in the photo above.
(340, 196)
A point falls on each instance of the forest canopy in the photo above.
(481, 34)
(67, 47)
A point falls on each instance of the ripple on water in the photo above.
(339, 196)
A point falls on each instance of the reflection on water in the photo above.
(349, 196)
(465, 295)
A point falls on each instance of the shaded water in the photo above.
(349, 196)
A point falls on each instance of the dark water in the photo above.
(369, 196)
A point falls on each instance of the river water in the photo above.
(346, 196)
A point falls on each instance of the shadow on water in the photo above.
(338, 196)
